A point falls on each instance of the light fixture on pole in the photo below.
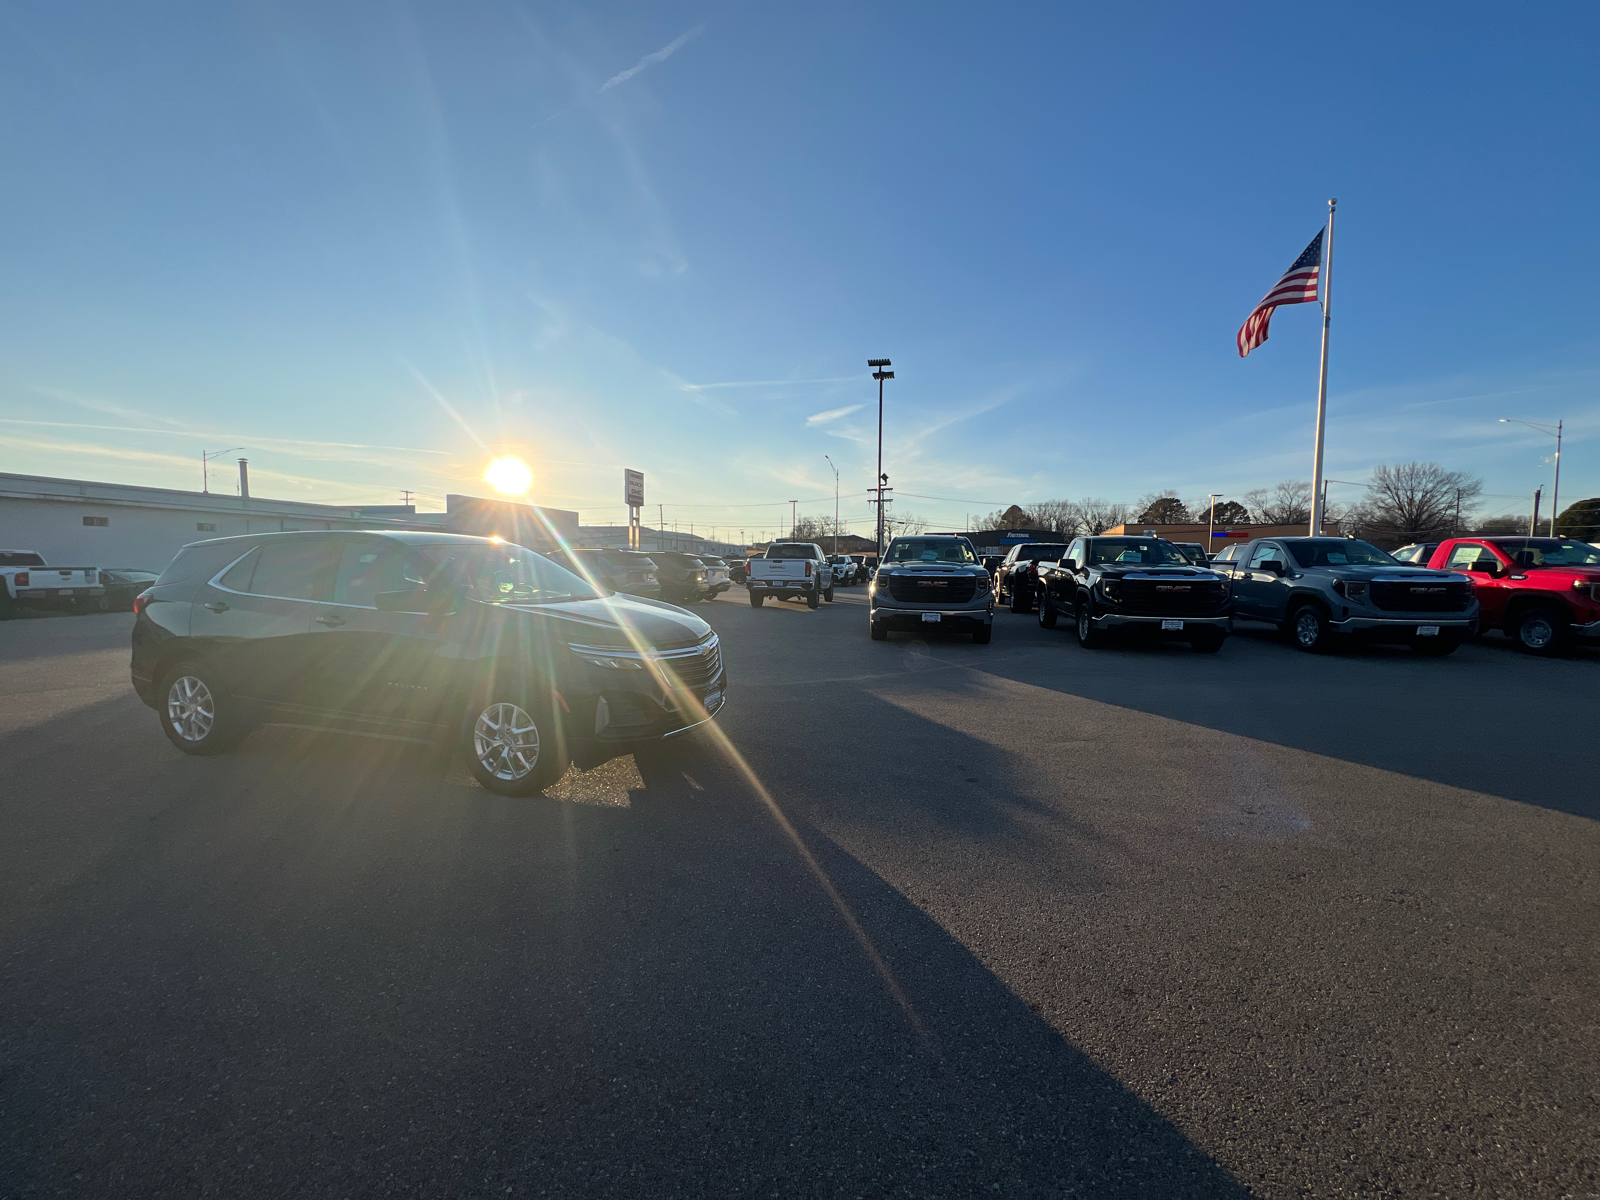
(835, 507)
(205, 466)
(878, 373)
(1555, 491)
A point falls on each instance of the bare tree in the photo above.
(1058, 516)
(1229, 512)
(1097, 516)
(1415, 501)
(903, 525)
(1285, 503)
(814, 529)
(1014, 517)
(1162, 508)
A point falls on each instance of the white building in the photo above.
(78, 522)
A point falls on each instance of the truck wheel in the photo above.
(1019, 602)
(880, 633)
(1538, 631)
(1436, 647)
(1047, 610)
(1308, 629)
(813, 600)
(196, 715)
(8, 606)
(1088, 636)
(828, 595)
(982, 636)
(756, 599)
(1208, 641)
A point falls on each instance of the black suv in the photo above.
(425, 634)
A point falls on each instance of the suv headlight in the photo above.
(612, 658)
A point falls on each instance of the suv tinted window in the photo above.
(367, 568)
(293, 570)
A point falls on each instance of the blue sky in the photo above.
(377, 244)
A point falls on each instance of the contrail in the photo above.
(648, 60)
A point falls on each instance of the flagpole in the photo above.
(1317, 515)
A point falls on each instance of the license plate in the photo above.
(713, 701)
(933, 618)
(66, 592)
(1427, 631)
(1172, 625)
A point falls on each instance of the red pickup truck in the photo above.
(1543, 592)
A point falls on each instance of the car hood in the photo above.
(1404, 571)
(619, 620)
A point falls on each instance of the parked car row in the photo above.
(27, 581)
(670, 575)
(1544, 593)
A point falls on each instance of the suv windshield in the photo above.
(1339, 552)
(1149, 551)
(1548, 552)
(945, 550)
(506, 574)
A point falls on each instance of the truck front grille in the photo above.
(932, 589)
(1160, 597)
(1421, 595)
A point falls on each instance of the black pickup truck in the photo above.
(1017, 577)
(1135, 585)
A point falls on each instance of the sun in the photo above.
(509, 476)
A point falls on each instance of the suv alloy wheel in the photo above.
(511, 742)
(196, 716)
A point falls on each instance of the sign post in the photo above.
(633, 497)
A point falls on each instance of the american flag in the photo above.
(1298, 286)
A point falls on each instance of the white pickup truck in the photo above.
(26, 581)
(790, 569)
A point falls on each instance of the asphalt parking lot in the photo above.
(922, 918)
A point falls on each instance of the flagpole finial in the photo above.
(1332, 201)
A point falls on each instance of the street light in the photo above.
(205, 466)
(878, 373)
(835, 507)
(1555, 492)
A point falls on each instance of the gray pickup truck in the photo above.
(1318, 589)
(931, 581)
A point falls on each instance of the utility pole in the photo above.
(1555, 492)
(205, 466)
(661, 527)
(1455, 530)
(1533, 522)
(878, 373)
(794, 520)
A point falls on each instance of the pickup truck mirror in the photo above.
(1273, 565)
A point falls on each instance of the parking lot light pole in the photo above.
(1211, 522)
(1555, 491)
(878, 373)
(205, 466)
(835, 507)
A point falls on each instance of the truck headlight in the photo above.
(1353, 589)
(1111, 589)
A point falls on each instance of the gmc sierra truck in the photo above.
(790, 569)
(1321, 589)
(1544, 593)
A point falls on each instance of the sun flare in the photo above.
(509, 476)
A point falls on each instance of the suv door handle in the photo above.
(330, 620)
(216, 606)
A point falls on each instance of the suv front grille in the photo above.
(694, 670)
(1176, 595)
(932, 589)
(1423, 595)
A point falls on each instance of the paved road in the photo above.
(930, 919)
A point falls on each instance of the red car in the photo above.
(1543, 592)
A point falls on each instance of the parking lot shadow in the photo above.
(1484, 719)
(329, 966)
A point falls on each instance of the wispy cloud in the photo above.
(833, 414)
(750, 383)
(649, 60)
